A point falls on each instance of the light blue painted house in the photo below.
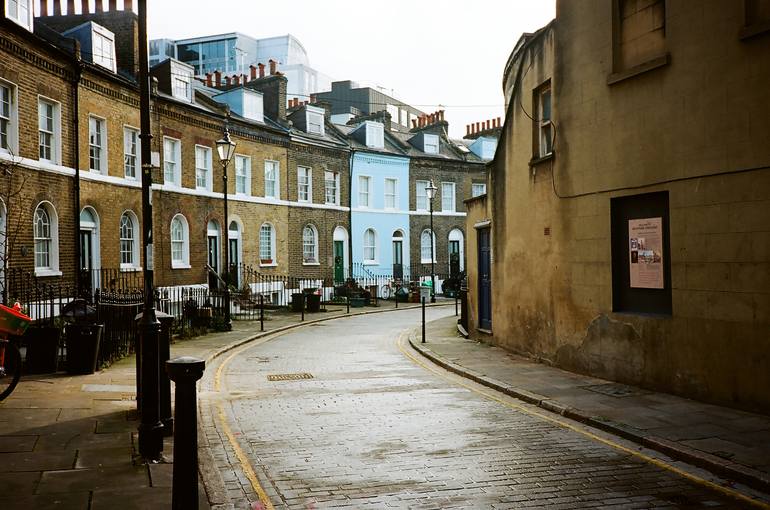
(379, 202)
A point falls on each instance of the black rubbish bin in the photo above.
(83, 341)
(313, 303)
(297, 298)
(42, 349)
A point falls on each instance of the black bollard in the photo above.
(423, 319)
(302, 303)
(455, 305)
(185, 371)
(347, 300)
(397, 289)
(164, 354)
(261, 312)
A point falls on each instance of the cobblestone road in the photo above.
(373, 429)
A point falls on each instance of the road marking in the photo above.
(246, 466)
(400, 343)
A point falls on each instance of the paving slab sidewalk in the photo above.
(732, 443)
(70, 442)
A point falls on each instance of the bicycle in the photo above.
(390, 289)
(12, 322)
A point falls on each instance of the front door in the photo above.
(485, 280)
(339, 262)
(398, 260)
(233, 276)
(213, 262)
(86, 261)
(454, 258)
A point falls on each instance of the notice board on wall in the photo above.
(645, 245)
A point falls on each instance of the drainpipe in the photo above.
(350, 214)
(76, 198)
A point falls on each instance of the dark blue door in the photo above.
(485, 280)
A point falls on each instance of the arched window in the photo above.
(309, 245)
(129, 244)
(370, 246)
(267, 245)
(46, 233)
(180, 243)
(425, 247)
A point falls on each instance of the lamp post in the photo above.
(430, 191)
(225, 149)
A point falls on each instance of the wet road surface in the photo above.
(337, 415)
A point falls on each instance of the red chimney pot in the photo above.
(128, 5)
(84, 6)
(113, 5)
(236, 79)
(217, 78)
(253, 71)
(99, 6)
(273, 64)
(208, 80)
(499, 124)
(261, 70)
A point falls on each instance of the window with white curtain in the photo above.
(203, 177)
(129, 229)
(271, 179)
(370, 246)
(425, 247)
(180, 242)
(267, 244)
(364, 191)
(309, 245)
(448, 197)
(242, 175)
(421, 195)
(390, 193)
(304, 184)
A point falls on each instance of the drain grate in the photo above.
(289, 377)
(616, 390)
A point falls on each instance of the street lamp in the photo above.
(430, 191)
(225, 149)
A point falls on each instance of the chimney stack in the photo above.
(217, 78)
(261, 70)
(227, 80)
(236, 79)
(499, 124)
(128, 5)
(272, 66)
(84, 6)
(441, 115)
(253, 71)
(467, 129)
(208, 80)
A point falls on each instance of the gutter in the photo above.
(76, 198)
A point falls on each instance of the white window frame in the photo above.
(176, 152)
(19, 18)
(51, 238)
(444, 197)
(387, 195)
(133, 265)
(365, 191)
(182, 262)
(375, 135)
(421, 195)
(478, 189)
(99, 57)
(203, 165)
(425, 255)
(54, 132)
(311, 260)
(271, 261)
(94, 120)
(430, 143)
(11, 119)
(314, 121)
(128, 130)
(276, 166)
(332, 185)
(371, 247)
(544, 127)
(308, 185)
(242, 175)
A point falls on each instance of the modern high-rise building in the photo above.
(232, 53)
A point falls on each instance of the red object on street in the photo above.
(12, 321)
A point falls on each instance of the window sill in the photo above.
(47, 272)
(311, 263)
(484, 331)
(750, 31)
(540, 159)
(371, 263)
(423, 261)
(272, 264)
(180, 265)
(331, 203)
(130, 269)
(638, 69)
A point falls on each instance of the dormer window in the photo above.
(245, 102)
(19, 11)
(375, 135)
(315, 120)
(181, 81)
(103, 47)
(430, 144)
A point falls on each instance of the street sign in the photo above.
(425, 293)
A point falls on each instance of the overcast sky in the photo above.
(426, 53)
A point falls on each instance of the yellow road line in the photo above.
(657, 462)
(246, 466)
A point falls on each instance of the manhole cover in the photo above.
(616, 390)
(289, 377)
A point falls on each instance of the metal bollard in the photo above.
(347, 300)
(302, 303)
(397, 289)
(185, 371)
(455, 305)
(164, 353)
(423, 320)
(261, 312)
